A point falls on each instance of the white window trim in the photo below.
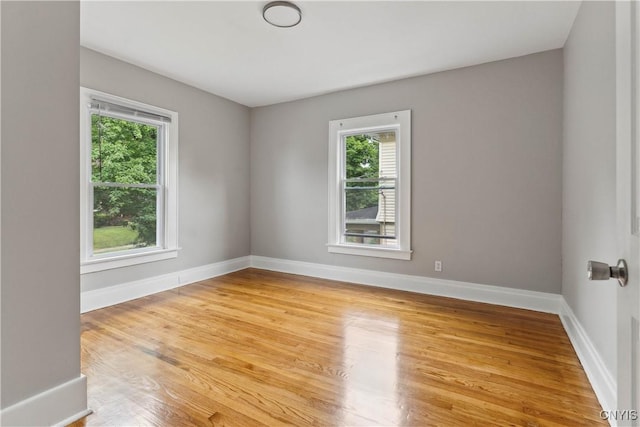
(169, 247)
(400, 121)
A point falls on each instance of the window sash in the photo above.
(378, 187)
(344, 233)
(123, 185)
(374, 236)
(159, 212)
(382, 178)
(344, 188)
(160, 139)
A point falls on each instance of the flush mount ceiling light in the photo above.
(282, 14)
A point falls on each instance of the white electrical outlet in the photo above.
(438, 266)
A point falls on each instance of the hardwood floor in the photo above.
(263, 348)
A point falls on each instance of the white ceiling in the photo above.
(226, 48)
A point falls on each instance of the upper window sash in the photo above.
(161, 138)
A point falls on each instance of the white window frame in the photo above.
(167, 246)
(400, 122)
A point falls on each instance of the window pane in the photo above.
(123, 218)
(123, 151)
(370, 155)
(370, 213)
(362, 203)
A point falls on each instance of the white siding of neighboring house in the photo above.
(388, 168)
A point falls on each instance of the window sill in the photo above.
(370, 252)
(101, 264)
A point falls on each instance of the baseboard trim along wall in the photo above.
(601, 379)
(538, 301)
(104, 297)
(57, 406)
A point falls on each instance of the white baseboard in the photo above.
(531, 300)
(197, 274)
(104, 297)
(539, 301)
(602, 381)
(57, 406)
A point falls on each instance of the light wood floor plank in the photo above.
(263, 348)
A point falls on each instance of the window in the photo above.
(370, 184)
(128, 182)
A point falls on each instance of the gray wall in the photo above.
(40, 197)
(486, 173)
(589, 171)
(213, 166)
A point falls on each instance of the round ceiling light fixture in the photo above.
(282, 14)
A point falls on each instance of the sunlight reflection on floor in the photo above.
(371, 389)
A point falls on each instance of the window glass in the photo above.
(369, 188)
(123, 151)
(124, 175)
(123, 218)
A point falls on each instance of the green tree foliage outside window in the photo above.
(362, 161)
(124, 152)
